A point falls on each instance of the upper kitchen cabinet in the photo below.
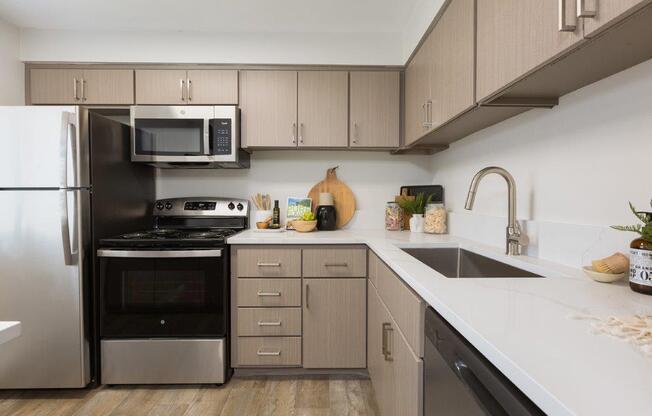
(601, 14)
(81, 86)
(268, 103)
(179, 87)
(323, 108)
(439, 80)
(515, 37)
(375, 109)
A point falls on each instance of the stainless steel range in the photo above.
(164, 308)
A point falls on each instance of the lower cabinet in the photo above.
(334, 319)
(396, 372)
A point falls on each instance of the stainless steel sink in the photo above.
(455, 262)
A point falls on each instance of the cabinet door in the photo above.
(417, 92)
(323, 108)
(608, 12)
(212, 86)
(334, 323)
(375, 109)
(380, 370)
(55, 86)
(453, 62)
(268, 103)
(516, 36)
(108, 86)
(160, 86)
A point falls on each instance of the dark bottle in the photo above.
(640, 266)
(326, 218)
(276, 216)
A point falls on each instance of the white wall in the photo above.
(185, 47)
(576, 166)
(12, 72)
(374, 178)
(418, 22)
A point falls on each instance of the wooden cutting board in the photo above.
(343, 197)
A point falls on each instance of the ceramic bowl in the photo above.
(602, 277)
(304, 226)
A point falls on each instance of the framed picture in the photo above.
(296, 208)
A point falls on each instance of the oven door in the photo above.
(170, 133)
(175, 293)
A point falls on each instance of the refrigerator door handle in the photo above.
(70, 250)
(68, 119)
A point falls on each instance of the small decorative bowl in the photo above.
(602, 277)
(304, 226)
(262, 225)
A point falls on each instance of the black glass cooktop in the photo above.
(170, 238)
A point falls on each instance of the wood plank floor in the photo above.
(242, 396)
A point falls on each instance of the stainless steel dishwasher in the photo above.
(459, 381)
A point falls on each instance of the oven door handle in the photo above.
(158, 254)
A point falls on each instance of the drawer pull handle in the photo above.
(336, 264)
(269, 323)
(268, 353)
(269, 293)
(387, 330)
(269, 264)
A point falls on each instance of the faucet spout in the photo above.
(515, 241)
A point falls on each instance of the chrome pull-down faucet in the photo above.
(515, 239)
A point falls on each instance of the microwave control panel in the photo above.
(221, 136)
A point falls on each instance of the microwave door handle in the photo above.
(207, 136)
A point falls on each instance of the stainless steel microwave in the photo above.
(187, 136)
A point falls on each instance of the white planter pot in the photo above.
(416, 223)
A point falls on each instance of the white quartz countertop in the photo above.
(8, 331)
(528, 328)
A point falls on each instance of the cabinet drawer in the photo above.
(335, 262)
(407, 309)
(269, 292)
(257, 322)
(268, 262)
(269, 351)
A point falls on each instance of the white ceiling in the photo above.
(236, 16)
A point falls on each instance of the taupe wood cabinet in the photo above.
(440, 78)
(323, 108)
(179, 87)
(268, 100)
(334, 319)
(81, 86)
(517, 36)
(375, 109)
(607, 12)
(299, 306)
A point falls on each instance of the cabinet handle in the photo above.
(268, 293)
(294, 133)
(300, 132)
(268, 353)
(269, 323)
(336, 264)
(424, 117)
(83, 89)
(582, 11)
(428, 113)
(563, 26)
(74, 89)
(262, 264)
(355, 132)
(387, 328)
(189, 90)
(182, 85)
(307, 296)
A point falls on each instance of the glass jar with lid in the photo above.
(393, 216)
(435, 218)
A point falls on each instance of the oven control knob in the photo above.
(168, 205)
(231, 205)
(159, 205)
(240, 207)
(162, 321)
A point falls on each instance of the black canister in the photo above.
(326, 218)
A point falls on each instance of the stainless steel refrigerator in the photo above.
(65, 181)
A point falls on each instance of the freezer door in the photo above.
(42, 256)
(40, 147)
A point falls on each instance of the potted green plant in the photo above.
(415, 207)
(640, 251)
